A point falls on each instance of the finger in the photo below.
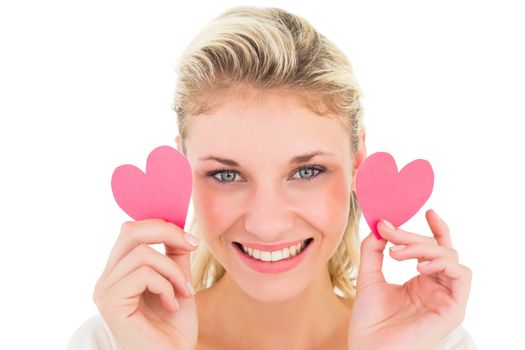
(398, 236)
(181, 257)
(459, 276)
(422, 252)
(150, 231)
(133, 286)
(145, 255)
(371, 264)
(439, 229)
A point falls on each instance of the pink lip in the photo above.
(271, 248)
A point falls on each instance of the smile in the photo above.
(273, 261)
(276, 255)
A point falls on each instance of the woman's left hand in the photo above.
(422, 311)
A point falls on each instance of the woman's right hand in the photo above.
(139, 290)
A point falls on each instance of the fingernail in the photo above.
(191, 239)
(424, 263)
(397, 247)
(190, 287)
(388, 224)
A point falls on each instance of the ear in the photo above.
(179, 146)
(359, 156)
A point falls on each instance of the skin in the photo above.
(266, 186)
(422, 311)
(142, 294)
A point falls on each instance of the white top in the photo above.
(94, 334)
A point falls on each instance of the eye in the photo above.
(308, 171)
(226, 175)
(305, 173)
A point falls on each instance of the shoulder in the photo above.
(458, 339)
(93, 334)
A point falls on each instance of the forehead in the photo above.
(251, 123)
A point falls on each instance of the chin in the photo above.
(272, 291)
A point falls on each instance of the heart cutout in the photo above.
(163, 191)
(385, 193)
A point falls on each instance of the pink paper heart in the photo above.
(383, 193)
(162, 192)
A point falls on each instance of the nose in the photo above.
(268, 215)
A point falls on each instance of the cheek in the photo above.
(207, 209)
(327, 207)
(214, 210)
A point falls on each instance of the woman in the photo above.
(270, 120)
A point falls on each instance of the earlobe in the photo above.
(177, 140)
(361, 151)
(359, 156)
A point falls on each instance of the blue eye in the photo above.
(228, 175)
(309, 170)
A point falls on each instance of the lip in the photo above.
(269, 266)
(271, 248)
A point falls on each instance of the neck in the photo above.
(306, 321)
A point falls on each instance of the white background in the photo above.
(87, 86)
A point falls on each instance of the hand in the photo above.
(422, 311)
(142, 294)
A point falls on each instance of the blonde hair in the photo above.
(271, 48)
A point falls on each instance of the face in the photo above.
(270, 196)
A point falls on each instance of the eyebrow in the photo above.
(295, 160)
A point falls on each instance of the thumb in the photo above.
(371, 264)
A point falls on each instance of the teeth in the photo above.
(286, 253)
(266, 256)
(275, 255)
